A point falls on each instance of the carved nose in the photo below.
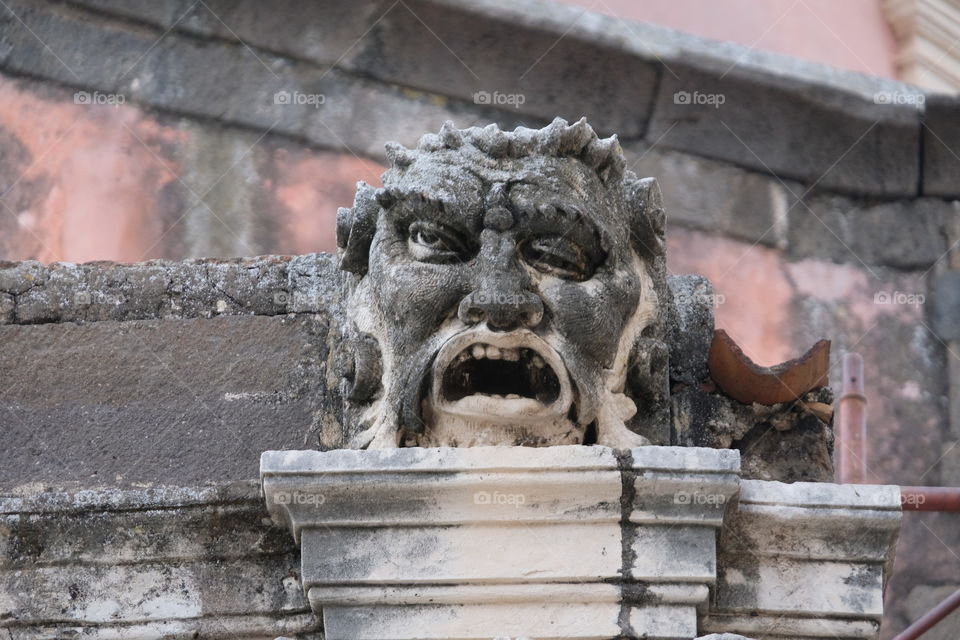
(502, 311)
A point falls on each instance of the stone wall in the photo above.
(146, 563)
(820, 203)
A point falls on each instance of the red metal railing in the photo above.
(852, 469)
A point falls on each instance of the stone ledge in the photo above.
(158, 289)
(773, 94)
(166, 401)
(490, 541)
(941, 147)
(809, 558)
(220, 80)
(945, 305)
(150, 562)
(422, 557)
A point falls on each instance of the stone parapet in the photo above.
(578, 542)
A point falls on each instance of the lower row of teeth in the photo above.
(479, 351)
(497, 396)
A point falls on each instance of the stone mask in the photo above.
(501, 288)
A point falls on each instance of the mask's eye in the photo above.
(557, 256)
(434, 242)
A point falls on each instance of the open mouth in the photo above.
(511, 373)
(515, 375)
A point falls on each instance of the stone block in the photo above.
(941, 146)
(487, 542)
(789, 127)
(905, 234)
(692, 329)
(472, 553)
(147, 563)
(945, 305)
(167, 401)
(415, 562)
(98, 291)
(456, 49)
(748, 205)
(793, 554)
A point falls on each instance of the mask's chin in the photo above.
(499, 388)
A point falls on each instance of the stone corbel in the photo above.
(577, 542)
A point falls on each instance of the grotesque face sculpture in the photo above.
(504, 285)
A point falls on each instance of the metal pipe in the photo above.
(930, 499)
(931, 618)
(852, 423)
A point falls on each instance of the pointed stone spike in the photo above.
(451, 136)
(577, 136)
(344, 223)
(430, 142)
(384, 198)
(398, 155)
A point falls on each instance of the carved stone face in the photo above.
(506, 296)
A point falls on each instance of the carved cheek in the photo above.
(592, 315)
(418, 297)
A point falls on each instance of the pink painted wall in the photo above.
(849, 34)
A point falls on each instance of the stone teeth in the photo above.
(493, 352)
(538, 362)
(510, 354)
(478, 351)
(513, 396)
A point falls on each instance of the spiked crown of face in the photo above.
(493, 155)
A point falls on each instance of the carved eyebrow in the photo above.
(411, 205)
(422, 200)
(577, 225)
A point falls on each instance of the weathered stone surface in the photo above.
(780, 442)
(448, 45)
(788, 127)
(98, 291)
(449, 48)
(145, 563)
(485, 542)
(941, 146)
(506, 288)
(227, 81)
(906, 234)
(945, 305)
(742, 204)
(417, 557)
(806, 559)
(692, 330)
(160, 401)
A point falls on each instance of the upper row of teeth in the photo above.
(479, 351)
